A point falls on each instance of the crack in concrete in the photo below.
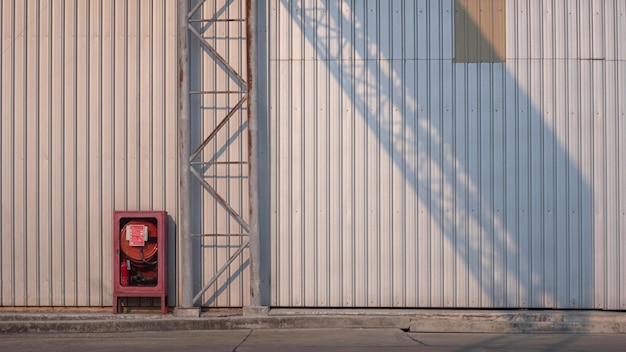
(243, 341)
(416, 340)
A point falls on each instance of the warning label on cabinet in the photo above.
(136, 235)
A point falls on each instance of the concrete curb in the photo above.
(426, 321)
(564, 322)
(226, 323)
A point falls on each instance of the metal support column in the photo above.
(184, 229)
(194, 163)
(253, 162)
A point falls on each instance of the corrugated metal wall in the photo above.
(88, 125)
(400, 178)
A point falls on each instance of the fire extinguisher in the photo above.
(125, 274)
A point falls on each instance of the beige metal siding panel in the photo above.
(573, 285)
(600, 12)
(585, 26)
(602, 170)
(560, 208)
(132, 101)
(98, 206)
(592, 114)
(499, 184)
(8, 189)
(309, 199)
(447, 30)
(620, 69)
(620, 32)
(337, 213)
(308, 13)
(613, 127)
(561, 31)
(371, 217)
(547, 186)
(283, 200)
(610, 26)
(145, 101)
(283, 31)
(472, 260)
(321, 169)
(536, 127)
(360, 259)
(56, 133)
(157, 108)
(533, 22)
(296, 184)
(571, 24)
(397, 273)
(598, 132)
(20, 171)
(45, 162)
(458, 218)
(83, 150)
(462, 185)
(546, 22)
(64, 136)
(69, 154)
(5, 271)
(120, 92)
(31, 172)
(107, 105)
(411, 204)
(421, 30)
(346, 186)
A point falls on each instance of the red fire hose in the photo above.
(140, 256)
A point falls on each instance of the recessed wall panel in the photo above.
(463, 184)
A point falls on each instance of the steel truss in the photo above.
(198, 160)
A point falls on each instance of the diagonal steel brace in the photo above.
(221, 200)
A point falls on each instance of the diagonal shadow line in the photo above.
(197, 7)
(220, 200)
(219, 272)
(218, 57)
(207, 47)
(503, 231)
(217, 128)
(224, 287)
(203, 167)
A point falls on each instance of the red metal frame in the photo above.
(160, 290)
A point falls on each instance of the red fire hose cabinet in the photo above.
(139, 256)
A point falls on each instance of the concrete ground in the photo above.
(304, 340)
(413, 320)
(305, 330)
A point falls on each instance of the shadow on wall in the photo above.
(502, 216)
